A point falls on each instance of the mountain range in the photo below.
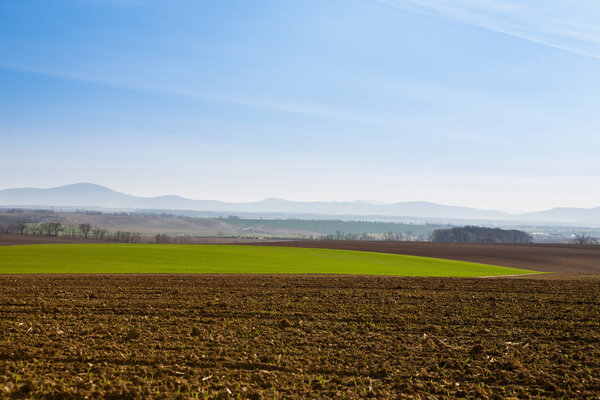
(88, 196)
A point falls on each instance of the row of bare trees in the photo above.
(81, 231)
(39, 229)
(392, 236)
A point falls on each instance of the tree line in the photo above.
(81, 231)
(478, 234)
(582, 238)
(390, 236)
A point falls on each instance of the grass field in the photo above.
(153, 258)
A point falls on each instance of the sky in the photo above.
(492, 104)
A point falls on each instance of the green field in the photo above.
(159, 258)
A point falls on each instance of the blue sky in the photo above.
(491, 104)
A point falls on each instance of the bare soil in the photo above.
(559, 258)
(216, 336)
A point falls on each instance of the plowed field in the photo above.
(561, 258)
(236, 336)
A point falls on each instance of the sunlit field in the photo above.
(153, 258)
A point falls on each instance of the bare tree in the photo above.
(55, 228)
(99, 233)
(85, 229)
(21, 227)
(71, 231)
(162, 238)
(50, 228)
(582, 238)
(389, 236)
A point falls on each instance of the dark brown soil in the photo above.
(167, 336)
(561, 258)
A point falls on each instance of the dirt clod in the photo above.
(285, 323)
(133, 334)
(196, 331)
(477, 349)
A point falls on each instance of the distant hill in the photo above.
(90, 195)
(565, 215)
(87, 195)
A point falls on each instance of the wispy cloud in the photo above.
(278, 105)
(567, 25)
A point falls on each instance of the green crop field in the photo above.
(155, 258)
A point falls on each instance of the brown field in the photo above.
(245, 336)
(167, 336)
(559, 258)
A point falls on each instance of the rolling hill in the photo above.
(88, 195)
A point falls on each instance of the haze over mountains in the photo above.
(87, 195)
